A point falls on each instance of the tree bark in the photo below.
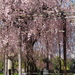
(9, 67)
(19, 54)
(6, 65)
(64, 41)
(19, 57)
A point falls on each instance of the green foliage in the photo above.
(16, 64)
(1, 65)
(56, 64)
(41, 60)
(69, 64)
(1, 61)
(22, 64)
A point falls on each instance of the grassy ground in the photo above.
(3, 74)
(40, 74)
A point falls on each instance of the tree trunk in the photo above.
(64, 41)
(19, 58)
(12, 67)
(19, 54)
(59, 53)
(6, 65)
(9, 67)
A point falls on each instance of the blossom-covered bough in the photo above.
(28, 21)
